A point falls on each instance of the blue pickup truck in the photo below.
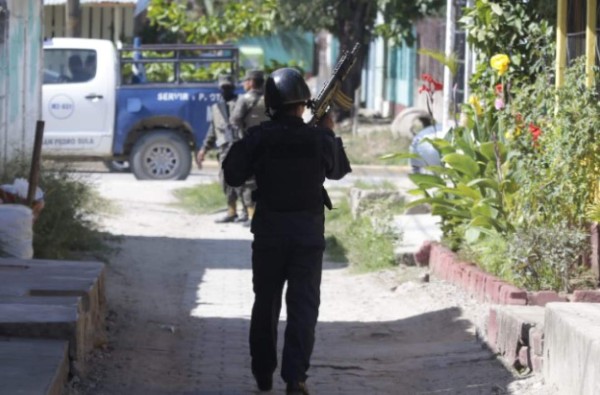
(145, 105)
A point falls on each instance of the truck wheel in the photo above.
(161, 155)
(117, 166)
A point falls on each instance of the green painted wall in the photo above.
(20, 78)
(285, 47)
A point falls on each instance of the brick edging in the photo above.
(485, 287)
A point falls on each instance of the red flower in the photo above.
(499, 89)
(536, 132)
(432, 84)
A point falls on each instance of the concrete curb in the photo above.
(535, 331)
(572, 347)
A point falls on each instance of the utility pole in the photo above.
(469, 61)
(448, 78)
(73, 15)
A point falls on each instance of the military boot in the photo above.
(231, 216)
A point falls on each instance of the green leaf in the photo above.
(481, 209)
(462, 163)
(484, 222)
(463, 191)
(497, 9)
(487, 150)
(472, 235)
(451, 62)
(485, 182)
(427, 181)
(509, 186)
(400, 155)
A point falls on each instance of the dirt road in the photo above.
(179, 293)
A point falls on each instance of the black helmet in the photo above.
(285, 86)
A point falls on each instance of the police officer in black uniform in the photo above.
(290, 161)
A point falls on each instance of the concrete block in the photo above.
(586, 296)
(423, 254)
(492, 330)
(537, 363)
(492, 290)
(30, 366)
(536, 341)
(542, 298)
(524, 360)
(54, 300)
(512, 295)
(481, 288)
(513, 325)
(572, 347)
(416, 230)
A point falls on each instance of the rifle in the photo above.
(332, 89)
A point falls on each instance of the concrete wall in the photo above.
(20, 76)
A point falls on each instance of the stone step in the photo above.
(572, 347)
(415, 229)
(33, 366)
(54, 300)
(516, 333)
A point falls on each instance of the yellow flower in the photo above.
(509, 136)
(474, 101)
(518, 131)
(500, 63)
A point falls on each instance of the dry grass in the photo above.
(372, 142)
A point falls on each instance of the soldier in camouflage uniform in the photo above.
(249, 111)
(221, 134)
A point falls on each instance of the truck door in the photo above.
(78, 103)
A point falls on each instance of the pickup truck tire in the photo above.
(161, 155)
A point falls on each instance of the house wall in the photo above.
(20, 76)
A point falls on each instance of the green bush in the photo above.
(365, 245)
(558, 170)
(547, 257)
(66, 228)
(491, 254)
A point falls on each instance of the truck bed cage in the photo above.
(181, 63)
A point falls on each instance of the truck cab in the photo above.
(147, 105)
(79, 96)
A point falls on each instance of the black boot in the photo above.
(226, 219)
(297, 389)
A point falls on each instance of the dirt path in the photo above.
(179, 293)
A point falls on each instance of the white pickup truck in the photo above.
(147, 105)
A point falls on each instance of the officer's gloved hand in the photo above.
(326, 121)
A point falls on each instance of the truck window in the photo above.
(69, 65)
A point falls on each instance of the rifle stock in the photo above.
(331, 91)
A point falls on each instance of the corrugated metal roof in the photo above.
(92, 2)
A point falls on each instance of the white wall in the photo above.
(20, 77)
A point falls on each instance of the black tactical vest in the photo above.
(290, 171)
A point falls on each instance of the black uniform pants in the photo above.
(275, 260)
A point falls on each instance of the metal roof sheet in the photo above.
(92, 2)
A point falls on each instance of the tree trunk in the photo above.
(350, 31)
(73, 15)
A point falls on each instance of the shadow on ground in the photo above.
(179, 325)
